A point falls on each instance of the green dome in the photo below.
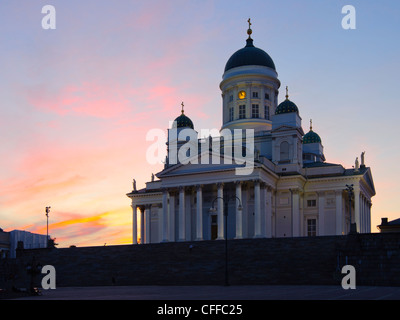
(183, 122)
(286, 106)
(249, 55)
(311, 137)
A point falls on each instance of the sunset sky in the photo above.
(76, 102)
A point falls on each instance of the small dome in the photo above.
(311, 137)
(286, 106)
(249, 55)
(182, 121)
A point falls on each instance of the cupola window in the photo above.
(255, 111)
(266, 112)
(242, 111)
(231, 114)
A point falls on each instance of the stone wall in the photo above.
(312, 260)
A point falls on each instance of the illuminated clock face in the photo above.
(242, 95)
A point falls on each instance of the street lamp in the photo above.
(213, 210)
(350, 189)
(47, 215)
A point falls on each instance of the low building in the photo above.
(389, 226)
(4, 244)
(10, 241)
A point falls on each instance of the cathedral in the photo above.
(289, 189)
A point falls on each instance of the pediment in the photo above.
(205, 162)
(369, 181)
(285, 127)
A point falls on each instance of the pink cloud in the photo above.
(88, 99)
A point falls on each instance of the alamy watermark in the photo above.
(49, 20)
(228, 147)
(349, 20)
(349, 280)
(49, 280)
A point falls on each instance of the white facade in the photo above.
(30, 241)
(291, 192)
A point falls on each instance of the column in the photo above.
(142, 230)
(357, 219)
(268, 213)
(257, 210)
(164, 219)
(220, 217)
(369, 217)
(321, 213)
(134, 224)
(366, 215)
(171, 229)
(147, 217)
(295, 212)
(263, 197)
(245, 211)
(182, 222)
(362, 213)
(239, 217)
(189, 196)
(339, 212)
(362, 227)
(199, 213)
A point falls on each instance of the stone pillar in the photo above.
(369, 217)
(220, 217)
(239, 217)
(199, 213)
(189, 196)
(339, 212)
(357, 219)
(142, 229)
(164, 217)
(171, 231)
(257, 210)
(268, 213)
(134, 224)
(296, 212)
(182, 220)
(321, 213)
(361, 212)
(245, 211)
(147, 219)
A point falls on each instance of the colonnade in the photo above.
(190, 199)
(167, 223)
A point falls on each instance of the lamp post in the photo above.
(213, 209)
(350, 189)
(47, 227)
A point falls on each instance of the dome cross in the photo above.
(249, 31)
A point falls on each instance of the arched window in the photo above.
(284, 155)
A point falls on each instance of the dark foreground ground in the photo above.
(278, 292)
